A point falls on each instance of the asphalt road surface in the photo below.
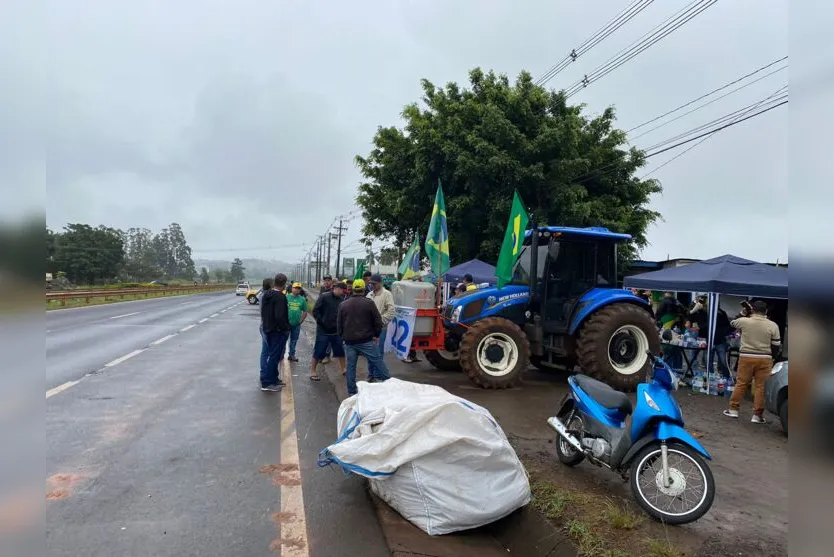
(160, 443)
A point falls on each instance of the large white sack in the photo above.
(441, 461)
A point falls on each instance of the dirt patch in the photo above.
(57, 494)
(290, 543)
(280, 480)
(278, 468)
(283, 517)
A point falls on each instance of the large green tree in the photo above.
(237, 272)
(88, 255)
(488, 140)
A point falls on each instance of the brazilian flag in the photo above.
(513, 240)
(411, 263)
(437, 241)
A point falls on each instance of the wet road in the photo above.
(175, 450)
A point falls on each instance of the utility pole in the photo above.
(318, 262)
(329, 238)
(340, 230)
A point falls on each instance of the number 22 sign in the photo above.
(401, 331)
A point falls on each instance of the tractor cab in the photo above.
(571, 264)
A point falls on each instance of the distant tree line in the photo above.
(95, 255)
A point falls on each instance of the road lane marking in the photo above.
(161, 340)
(185, 303)
(61, 388)
(293, 533)
(117, 361)
(214, 315)
(126, 315)
(203, 320)
(188, 327)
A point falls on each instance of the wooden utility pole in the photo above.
(339, 232)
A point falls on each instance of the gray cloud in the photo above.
(240, 121)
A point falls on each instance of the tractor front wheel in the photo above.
(613, 342)
(494, 352)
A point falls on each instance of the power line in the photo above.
(645, 42)
(604, 32)
(705, 95)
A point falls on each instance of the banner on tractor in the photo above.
(401, 331)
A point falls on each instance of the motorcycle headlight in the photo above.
(456, 314)
(779, 366)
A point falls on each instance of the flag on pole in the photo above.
(513, 240)
(360, 270)
(411, 263)
(437, 241)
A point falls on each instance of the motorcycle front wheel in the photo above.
(690, 492)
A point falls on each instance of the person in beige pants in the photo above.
(760, 343)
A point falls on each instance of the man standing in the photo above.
(327, 286)
(326, 312)
(266, 287)
(669, 311)
(297, 304)
(276, 327)
(360, 325)
(760, 344)
(384, 301)
(366, 277)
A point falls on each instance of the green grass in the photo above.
(620, 517)
(661, 548)
(552, 501)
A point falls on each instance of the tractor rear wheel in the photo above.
(494, 352)
(613, 342)
(441, 359)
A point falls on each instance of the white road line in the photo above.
(214, 315)
(117, 361)
(61, 388)
(163, 339)
(293, 532)
(187, 327)
(203, 320)
(126, 315)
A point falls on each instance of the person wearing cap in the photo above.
(328, 284)
(384, 301)
(297, 304)
(326, 312)
(360, 326)
(761, 343)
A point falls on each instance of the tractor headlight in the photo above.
(456, 314)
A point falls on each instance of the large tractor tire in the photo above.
(613, 342)
(441, 359)
(494, 353)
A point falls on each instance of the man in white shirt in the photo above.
(384, 301)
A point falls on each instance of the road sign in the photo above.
(348, 267)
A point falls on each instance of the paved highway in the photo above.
(175, 451)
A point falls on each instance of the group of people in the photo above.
(760, 345)
(350, 322)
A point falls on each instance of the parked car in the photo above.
(776, 393)
(242, 289)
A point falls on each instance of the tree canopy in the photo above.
(486, 141)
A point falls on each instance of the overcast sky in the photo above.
(240, 120)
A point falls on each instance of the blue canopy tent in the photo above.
(480, 271)
(727, 274)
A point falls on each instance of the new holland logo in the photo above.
(492, 300)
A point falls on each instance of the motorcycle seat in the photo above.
(605, 395)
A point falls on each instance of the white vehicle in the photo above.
(242, 289)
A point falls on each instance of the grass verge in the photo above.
(598, 527)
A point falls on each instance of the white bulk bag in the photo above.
(439, 460)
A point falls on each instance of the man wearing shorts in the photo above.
(325, 313)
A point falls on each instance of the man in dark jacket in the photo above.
(325, 312)
(275, 324)
(359, 325)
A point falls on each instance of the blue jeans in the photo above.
(276, 342)
(372, 371)
(264, 351)
(375, 362)
(295, 332)
(720, 352)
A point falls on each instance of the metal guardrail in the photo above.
(121, 293)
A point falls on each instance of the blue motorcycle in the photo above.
(647, 445)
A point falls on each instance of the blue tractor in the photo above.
(568, 312)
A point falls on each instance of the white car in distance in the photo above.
(242, 289)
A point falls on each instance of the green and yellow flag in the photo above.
(437, 241)
(513, 240)
(411, 263)
(360, 270)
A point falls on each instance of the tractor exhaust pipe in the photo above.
(560, 428)
(534, 267)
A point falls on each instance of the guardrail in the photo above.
(121, 293)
